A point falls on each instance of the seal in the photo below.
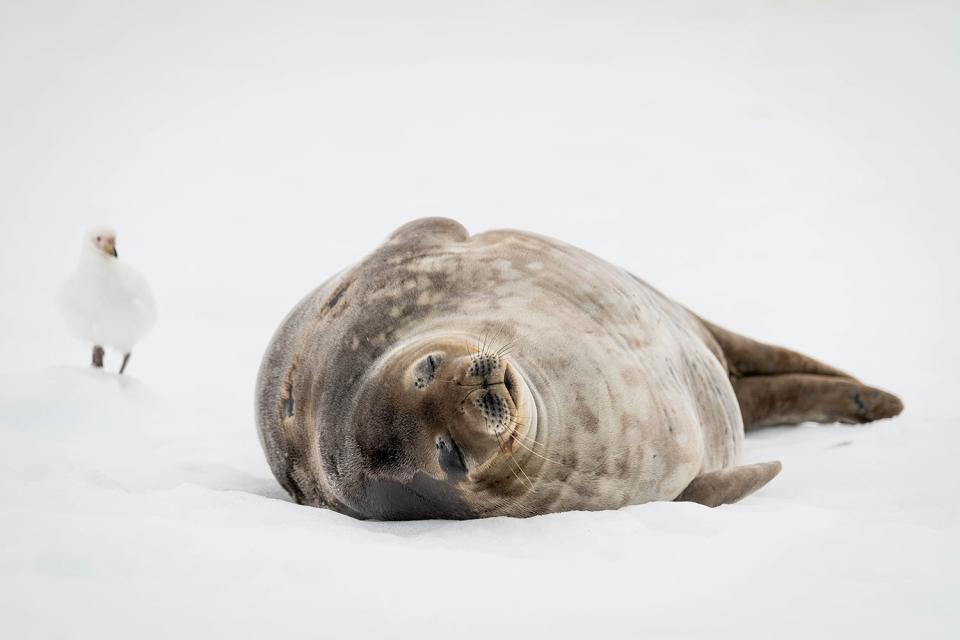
(509, 374)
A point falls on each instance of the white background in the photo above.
(786, 169)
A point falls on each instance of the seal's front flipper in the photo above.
(728, 485)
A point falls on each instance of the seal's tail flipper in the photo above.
(778, 386)
(793, 398)
(746, 357)
(728, 485)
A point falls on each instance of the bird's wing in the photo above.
(140, 294)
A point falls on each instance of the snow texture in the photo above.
(790, 170)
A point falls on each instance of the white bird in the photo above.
(106, 302)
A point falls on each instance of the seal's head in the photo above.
(376, 399)
(434, 424)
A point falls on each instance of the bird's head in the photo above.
(104, 240)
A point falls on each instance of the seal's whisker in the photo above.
(481, 341)
(519, 423)
(505, 349)
(528, 483)
(489, 338)
(497, 334)
(539, 455)
(519, 479)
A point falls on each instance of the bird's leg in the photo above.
(126, 359)
(98, 356)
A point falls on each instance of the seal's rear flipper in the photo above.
(747, 357)
(778, 386)
(800, 397)
(729, 485)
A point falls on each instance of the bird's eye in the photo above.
(98, 238)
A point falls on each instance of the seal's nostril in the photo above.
(510, 382)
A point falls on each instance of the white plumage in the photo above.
(106, 302)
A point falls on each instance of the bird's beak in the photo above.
(110, 248)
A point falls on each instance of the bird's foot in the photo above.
(98, 357)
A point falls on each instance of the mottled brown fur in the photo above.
(729, 485)
(457, 376)
(777, 386)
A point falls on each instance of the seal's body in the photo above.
(506, 373)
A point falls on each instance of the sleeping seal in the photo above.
(505, 373)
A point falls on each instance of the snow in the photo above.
(788, 170)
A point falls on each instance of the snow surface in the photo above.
(790, 170)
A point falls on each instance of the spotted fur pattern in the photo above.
(632, 392)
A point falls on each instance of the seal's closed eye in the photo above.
(426, 370)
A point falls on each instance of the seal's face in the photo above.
(434, 426)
